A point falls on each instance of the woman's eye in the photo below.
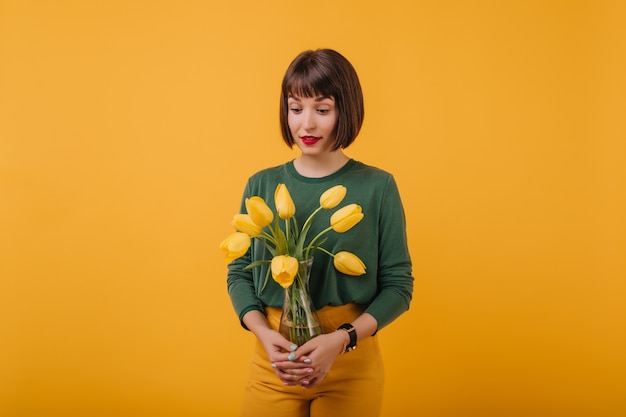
(296, 110)
(323, 111)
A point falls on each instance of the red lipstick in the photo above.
(310, 140)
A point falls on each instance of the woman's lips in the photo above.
(310, 140)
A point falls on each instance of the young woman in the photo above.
(321, 112)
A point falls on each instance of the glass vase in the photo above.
(299, 322)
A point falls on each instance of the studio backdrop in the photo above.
(128, 130)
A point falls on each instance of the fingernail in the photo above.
(273, 365)
(307, 360)
(291, 356)
(293, 347)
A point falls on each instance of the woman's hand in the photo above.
(309, 364)
(320, 352)
(281, 352)
(289, 367)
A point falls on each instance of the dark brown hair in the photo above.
(326, 73)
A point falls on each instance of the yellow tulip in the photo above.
(333, 196)
(284, 204)
(346, 217)
(349, 264)
(244, 223)
(235, 246)
(259, 211)
(284, 269)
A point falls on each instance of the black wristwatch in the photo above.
(352, 333)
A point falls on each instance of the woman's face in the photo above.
(312, 122)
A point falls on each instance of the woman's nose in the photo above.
(309, 120)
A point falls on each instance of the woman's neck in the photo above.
(318, 167)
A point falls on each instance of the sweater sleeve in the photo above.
(395, 279)
(240, 282)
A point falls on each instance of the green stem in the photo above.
(267, 236)
(320, 234)
(326, 252)
(305, 230)
(287, 231)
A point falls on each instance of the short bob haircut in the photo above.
(326, 73)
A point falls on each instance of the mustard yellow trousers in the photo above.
(352, 388)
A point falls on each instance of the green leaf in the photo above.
(254, 264)
(267, 277)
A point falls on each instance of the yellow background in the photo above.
(128, 129)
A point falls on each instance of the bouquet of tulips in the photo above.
(288, 245)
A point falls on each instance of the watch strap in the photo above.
(351, 333)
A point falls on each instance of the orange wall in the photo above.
(128, 129)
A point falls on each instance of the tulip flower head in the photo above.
(260, 213)
(333, 196)
(348, 263)
(284, 204)
(284, 270)
(235, 246)
(345, 218)
(245, 224)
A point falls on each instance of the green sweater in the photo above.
(379, 240)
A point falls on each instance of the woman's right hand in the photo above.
(289, 369)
